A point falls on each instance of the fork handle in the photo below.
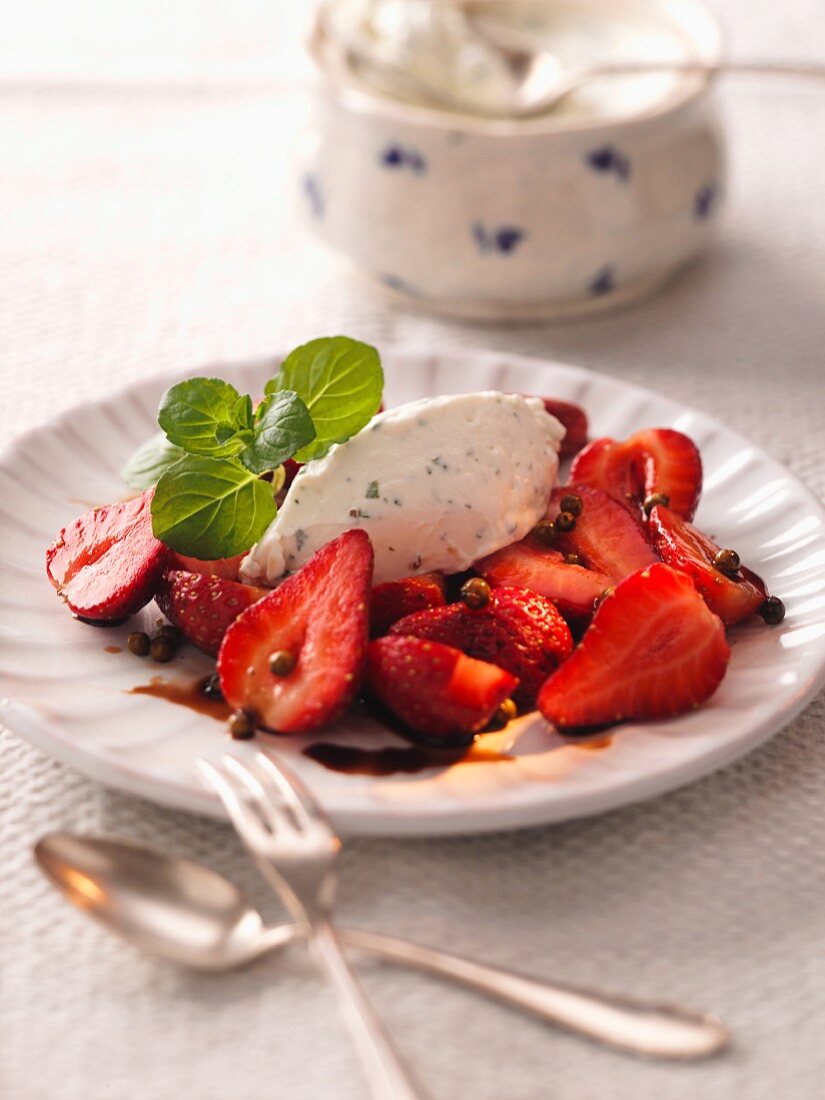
(388, 1077)
(656, 1030)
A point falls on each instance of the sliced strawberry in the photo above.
(657, 460)
(574, 419)
(433, 689)
(202, 607)
(395, 599)
(684, 547)
(319, 616)
(607, 538)
(653, 650)
(107, 564)
(525, 564)
(517, 630)
(228, 568)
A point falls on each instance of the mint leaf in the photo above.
(284, 426)
(340, 380)
(204, 416)
(149, 461)
(211, 508)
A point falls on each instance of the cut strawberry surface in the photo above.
(657, 460)
(574, 419)
(606, 537)
(435, 690)
(517, 630)
(684, 547)
(319, 619)
(228, 568)
(107, 564)
(396, 599)
(653, 650)
(203, 606)
(573, 588)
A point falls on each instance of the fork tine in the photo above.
(232, 795)
(267, 801)
(291, 789)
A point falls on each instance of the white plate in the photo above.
(67, 694)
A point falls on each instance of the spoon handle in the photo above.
(655, 1030)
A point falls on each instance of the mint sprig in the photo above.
(211, 508)
(210, 500)
(340, 381)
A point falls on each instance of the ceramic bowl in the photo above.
(509, 220)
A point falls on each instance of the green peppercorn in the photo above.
(565, 521)
(572, 559)
(161, 649)
(211, 687)
(605, 595)
(654, 499)
(727, 562)
(281, 662)
(242, 725)
(772, 610)
(502, 716)
(138, 643)
(545, 532)
(572, 503)
(475, 593)
(170, 632)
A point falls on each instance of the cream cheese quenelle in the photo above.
(436, 484)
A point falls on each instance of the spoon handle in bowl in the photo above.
(656, 1030)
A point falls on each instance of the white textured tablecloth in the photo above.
(144, 176)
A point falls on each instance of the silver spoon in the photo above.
(539, 81)
(184, 912)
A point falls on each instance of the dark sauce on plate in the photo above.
(397, 759)
(190, 695)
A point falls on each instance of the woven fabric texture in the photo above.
(145, 153)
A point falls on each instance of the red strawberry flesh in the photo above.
(320, 616)
(657, 460)
(653, 650)
(435, 690)
(517, 630)
(396, 599)
(606, 537)
(203, 606)
(683, 546)
(574, 419)
(108, 563)
(526, 564)
(228, 568)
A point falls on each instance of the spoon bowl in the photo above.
(170, 907)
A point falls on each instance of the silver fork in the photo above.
(296, 850)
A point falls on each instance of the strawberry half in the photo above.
(435, 690)
(517, 630)
(227, 568)
(606, 537)
(653, 650)
(526, 564)
(657, 460)
(319, 617)
(684, 547)
(203, 607)
(395, 599)
(574, 419)
(107, 564)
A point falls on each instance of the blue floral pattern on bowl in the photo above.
(397, 156)
(608, 160)
(314, 195)
(705, 201)
(603, 282)
(502, 238)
